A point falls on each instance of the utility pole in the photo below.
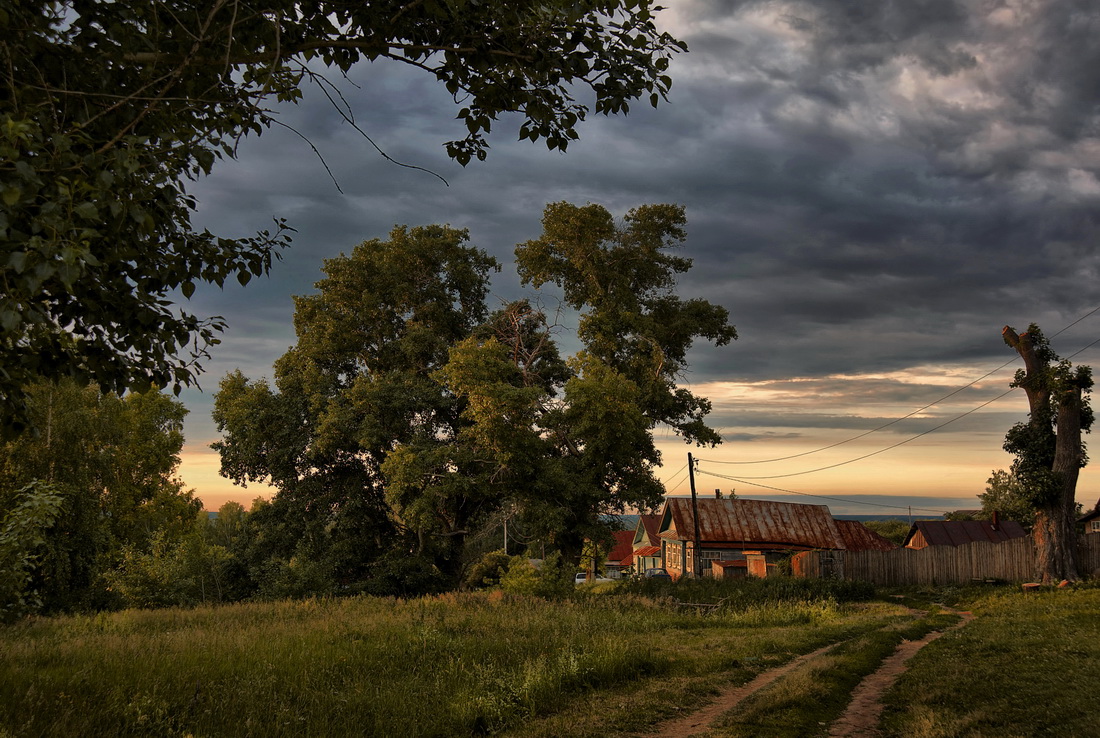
(694, 516)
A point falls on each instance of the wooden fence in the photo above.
(1012, 561)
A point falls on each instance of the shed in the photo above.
(729, 569)
(924, 533)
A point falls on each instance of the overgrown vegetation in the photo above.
(446, 665)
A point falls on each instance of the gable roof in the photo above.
(858, 537)
(959, 532)
(645, 533)
(623, 550)
(1091, 515)
(751, 522)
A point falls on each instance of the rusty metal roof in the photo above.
(646, 530)
(646, 551)
(858, 537)
(752, 522)
(623, 550)
(959, 532)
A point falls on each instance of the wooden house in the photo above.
(1091, 520)
(730, 529)
(647, 546)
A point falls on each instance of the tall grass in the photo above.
(455, 664)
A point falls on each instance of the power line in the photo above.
(806, 494)
(899, 443)
(873, 430)
(905, 417)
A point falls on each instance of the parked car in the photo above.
(657, 573)
(582, 577)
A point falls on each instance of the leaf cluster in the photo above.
(109, 108)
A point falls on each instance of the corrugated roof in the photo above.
(858, 537)
(754, 522)
(647, 551)
(959, 532)
(623, 550)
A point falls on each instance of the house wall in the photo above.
(917, 541)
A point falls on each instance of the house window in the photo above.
(672, 557)
(711, 555)
(1096, 526)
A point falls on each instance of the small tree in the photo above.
(1008, 497)
(1048, 448)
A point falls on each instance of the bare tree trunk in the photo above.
(1055, 535)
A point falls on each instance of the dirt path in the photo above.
(699, 720)
(861, 718)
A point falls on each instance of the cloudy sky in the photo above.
(873, 190)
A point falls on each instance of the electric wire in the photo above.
(905, 417)
(822, 497)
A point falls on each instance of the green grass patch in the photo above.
(440, 666)
(1028, 664)
(806, 701)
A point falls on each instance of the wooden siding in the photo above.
(1012, 561)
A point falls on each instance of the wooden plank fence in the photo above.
(1012, 561)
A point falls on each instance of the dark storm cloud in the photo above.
(870, 187)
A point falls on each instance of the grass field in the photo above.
(603, 664)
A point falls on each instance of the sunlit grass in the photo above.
(1027, 665)
(449, 665)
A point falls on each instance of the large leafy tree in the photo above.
(113, 463)
(110, 107)
(1049, 450)
(450, 414)
(357, 385)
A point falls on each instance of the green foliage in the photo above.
(410, 413)
(114, 106)
(113, 461)
(752, 591)
(487, 571)
(401, 575)
(1009, 497)
(894, 531)
(172, 572)
(552, 578)
(1050, 381)
(23, 533)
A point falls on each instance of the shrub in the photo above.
(487, 571)
(551, 580)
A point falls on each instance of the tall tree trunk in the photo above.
(1054, 533)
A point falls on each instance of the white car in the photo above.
(582, 577)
